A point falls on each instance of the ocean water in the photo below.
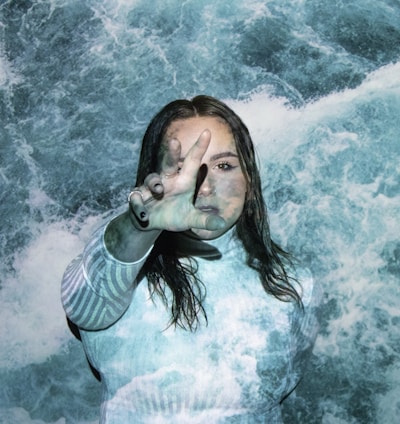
(318, 84)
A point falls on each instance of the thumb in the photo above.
(215, 222)
(208, 222)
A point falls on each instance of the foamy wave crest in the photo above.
(34, 324)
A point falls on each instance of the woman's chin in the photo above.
(207, 234)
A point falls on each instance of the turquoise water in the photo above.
(317, 82)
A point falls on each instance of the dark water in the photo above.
(317, 82)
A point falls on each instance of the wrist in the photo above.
(126, 242)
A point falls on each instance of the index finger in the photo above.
(194, 156)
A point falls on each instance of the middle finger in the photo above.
(171, 157)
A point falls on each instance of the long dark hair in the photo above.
(163, 267)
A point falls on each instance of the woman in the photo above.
(186, 307)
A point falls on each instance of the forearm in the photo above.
(125, 242)
(97, 287)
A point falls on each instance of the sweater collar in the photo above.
(187, 245)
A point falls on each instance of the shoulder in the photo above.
(308, 288)
(306, 319)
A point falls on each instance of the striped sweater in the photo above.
(235, 369)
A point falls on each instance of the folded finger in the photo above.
(136, 205)
(154, 184)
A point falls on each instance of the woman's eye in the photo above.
(224, 166)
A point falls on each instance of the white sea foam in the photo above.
(352, 218)
(8, 75)
(34, 324)
(277, 127)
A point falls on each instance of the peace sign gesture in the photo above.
(165, 200)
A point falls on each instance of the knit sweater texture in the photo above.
(237, 368)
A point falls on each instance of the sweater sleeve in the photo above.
(96, 288)
(305, 323)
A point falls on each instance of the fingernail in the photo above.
(158, 188)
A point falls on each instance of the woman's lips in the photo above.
(208, 209)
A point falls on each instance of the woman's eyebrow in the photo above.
(217, 156)
(223, 155)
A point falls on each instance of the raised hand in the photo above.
(165, 200)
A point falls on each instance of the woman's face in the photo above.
(223, 189)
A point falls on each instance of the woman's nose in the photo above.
(206, 188)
